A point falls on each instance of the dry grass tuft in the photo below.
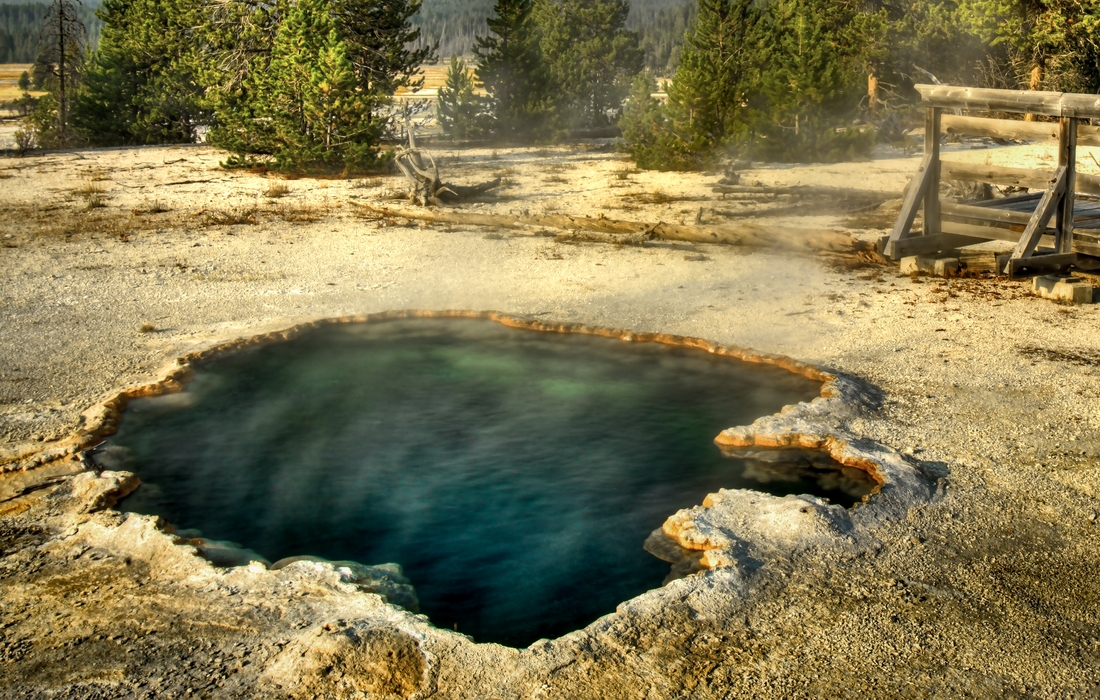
(557, 179)
(155, 208)
(277, 189)
(95, 202)
(89, 189)
(231, 217)
(366, 182)
(147, 328)
(301, 214)
(624, 173)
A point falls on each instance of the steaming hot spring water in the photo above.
(513, 475)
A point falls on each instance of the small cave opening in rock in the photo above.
(512, 475)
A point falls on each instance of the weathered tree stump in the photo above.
(425, 187)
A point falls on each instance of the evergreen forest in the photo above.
(309, 84)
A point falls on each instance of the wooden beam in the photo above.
(913, 199)
(1029, 197)
(923, 245)
(1086, 242)
(1040, 263)
(992, 214)
(1000, 128)
(1067, 158)
(1015, 129)
(1080, 106)
(1047, 205)
(990, 100)
(990, 233)
(997, 174)
(932, 192)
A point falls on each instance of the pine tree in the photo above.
(1049, 44)
(24, 81)
(309, 102)
(813, 81)
(378, 36)
(511, 67)
(647, 133)
(708, 96)
(278, 79)
(591, 57)
(458, 108)
(141, 85)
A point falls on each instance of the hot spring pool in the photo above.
(514, 475)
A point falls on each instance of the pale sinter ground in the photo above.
(988, 589)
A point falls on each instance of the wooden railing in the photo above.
(1059, 187)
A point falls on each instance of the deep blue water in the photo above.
(513, 474)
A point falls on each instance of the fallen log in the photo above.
(808, 191)
(745, 234)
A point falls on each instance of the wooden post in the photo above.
(932, 155)
(1067, 156)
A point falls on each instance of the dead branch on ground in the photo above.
(425, 187)
(626, 232)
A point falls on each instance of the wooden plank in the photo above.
(1015, 129)
(990, 100)
(990, 233)
(1067, 158)
(932, 193)
(1011, 201)
(997, 174)
(1018, 177)
(1000, 128)
(1080, 106)
(993, 214)
(1086, 244)
(923, 245)
(1039, 263)
(913, 199)
(1047, 205)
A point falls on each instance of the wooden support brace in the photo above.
(923, 245)
(1040, 263)
(1067, 157)
(1025, 248)
(932, 193)
(913, 199)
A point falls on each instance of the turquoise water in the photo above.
(513, 474)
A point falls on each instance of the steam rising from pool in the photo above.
(513, 474)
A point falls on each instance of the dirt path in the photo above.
(990, 587)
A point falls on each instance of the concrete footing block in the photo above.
(946, 267)
(1063, 288)
(940, 267)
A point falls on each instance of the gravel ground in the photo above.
(116, 262)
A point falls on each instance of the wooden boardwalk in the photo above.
(1055, 229)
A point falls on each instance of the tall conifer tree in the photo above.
(142, 84)
(708, 96)
(591, 57)
(511, 67)
(312, 112)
